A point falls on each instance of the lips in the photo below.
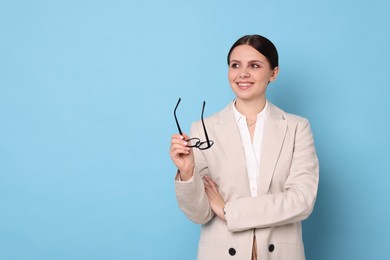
(244, 85)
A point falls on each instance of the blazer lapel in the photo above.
(274, 133)
(229, 136)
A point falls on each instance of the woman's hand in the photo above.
(216, 201)
(182, 156)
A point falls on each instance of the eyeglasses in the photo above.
(195, 142)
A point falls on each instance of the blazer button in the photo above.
(232, 251)
(271, 248)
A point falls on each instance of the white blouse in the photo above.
(252, 150)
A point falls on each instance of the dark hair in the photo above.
(261, 44)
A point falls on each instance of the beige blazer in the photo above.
(287, 188)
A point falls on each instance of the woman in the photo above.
(256, 183)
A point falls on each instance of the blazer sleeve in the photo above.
(296, 201)
(191, 195)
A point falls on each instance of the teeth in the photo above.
(244, 84)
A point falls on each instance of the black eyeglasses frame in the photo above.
(198, 144)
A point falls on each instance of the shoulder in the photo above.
(277, 113)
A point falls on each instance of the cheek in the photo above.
(231, 79)
(231, 76)
(262, 77)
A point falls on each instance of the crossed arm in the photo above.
(200, 200)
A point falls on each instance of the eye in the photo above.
(234, 65)
(255, 66)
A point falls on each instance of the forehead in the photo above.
(246, 53)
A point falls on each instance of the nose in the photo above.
(244, 73)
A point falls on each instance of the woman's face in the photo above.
(249, 73)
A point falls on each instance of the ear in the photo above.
(274, 74)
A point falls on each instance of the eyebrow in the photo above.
(237, 61)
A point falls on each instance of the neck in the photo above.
(250, 108)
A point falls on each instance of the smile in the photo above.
(244, 85)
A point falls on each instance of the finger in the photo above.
(210, 191)
(179, 136)
(177, 140)
(179, 146)
(210, 194)
(180, 142)
(212, 184)
(208, 188)
(179, 151)
(205, 182)
(182, 137)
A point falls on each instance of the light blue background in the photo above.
(87, 91)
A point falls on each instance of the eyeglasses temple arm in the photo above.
(174, 113)
(204, 127)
